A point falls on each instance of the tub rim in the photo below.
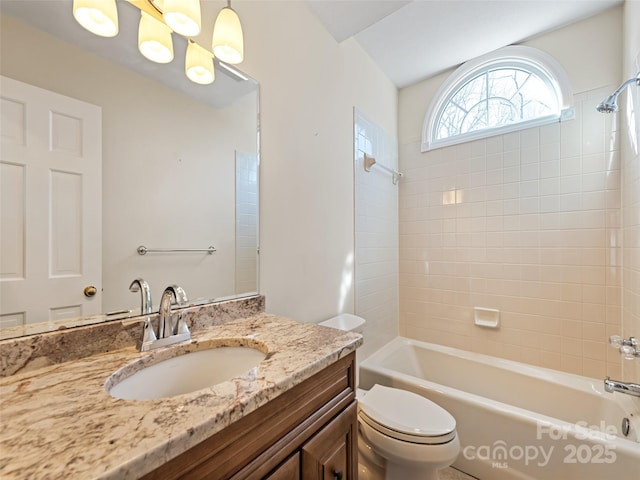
(580, 383)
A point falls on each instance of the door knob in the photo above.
(337, 474)
(90, 291)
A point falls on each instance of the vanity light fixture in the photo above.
(158, 19)
(183, 16)
(98, 16)
(199, 64)
(154, 39)
(227, 42)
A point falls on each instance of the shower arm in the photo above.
(619, 90)
(610, 104)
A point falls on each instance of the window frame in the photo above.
(521, 57)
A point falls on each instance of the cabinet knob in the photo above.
(337, 474)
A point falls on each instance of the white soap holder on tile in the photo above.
(486, 317)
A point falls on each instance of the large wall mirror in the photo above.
(178, 170)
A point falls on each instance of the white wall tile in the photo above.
(630, 219)
(536, 235)
(550, 151)
(378, 237)
(511, 141)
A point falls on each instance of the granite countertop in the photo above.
(59, 421)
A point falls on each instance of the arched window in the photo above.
(510, 89)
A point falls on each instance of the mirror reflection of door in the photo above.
(51, 207)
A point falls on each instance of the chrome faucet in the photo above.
(165, 324)
(141, 285)
(617, 386)
(628, 347)
(168, 333)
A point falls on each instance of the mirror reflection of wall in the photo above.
(169, 169)
(246, 222)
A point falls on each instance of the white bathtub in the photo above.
(516, 421)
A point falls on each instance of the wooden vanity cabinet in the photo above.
(327, 455)
(309, 432)
(289, 470)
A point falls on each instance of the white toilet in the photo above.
(403, 436)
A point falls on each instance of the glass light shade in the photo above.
(227, 42)
(199, 64)
(97, 16)
(154, 39)
(183, 16)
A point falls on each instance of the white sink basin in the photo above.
(184, 373)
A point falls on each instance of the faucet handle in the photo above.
(618, 342)
(180, 326)
(628, 351)
(615, 341)
(627, 347)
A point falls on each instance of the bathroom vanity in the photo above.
(308, 432)
(292, 416)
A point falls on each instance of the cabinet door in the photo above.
(332, 454)
(287, 470)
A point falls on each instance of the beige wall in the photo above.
(631, 185)
(590, 52)
(309, 86)
(537, 231)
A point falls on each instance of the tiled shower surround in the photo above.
(630, 144)
(528, 223)
(376, 234)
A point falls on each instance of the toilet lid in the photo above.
(406, 416)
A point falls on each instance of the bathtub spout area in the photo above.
(617, 386)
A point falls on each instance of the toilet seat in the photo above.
(406, 416)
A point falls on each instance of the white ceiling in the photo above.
(414, 40)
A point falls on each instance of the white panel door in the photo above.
(50, 205)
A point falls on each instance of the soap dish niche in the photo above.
(486, 317)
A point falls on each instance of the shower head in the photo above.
(610, 104)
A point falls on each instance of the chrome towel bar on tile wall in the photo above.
(370, 162)
(142, 250)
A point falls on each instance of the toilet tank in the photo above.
(345, 321)
(349, 323)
